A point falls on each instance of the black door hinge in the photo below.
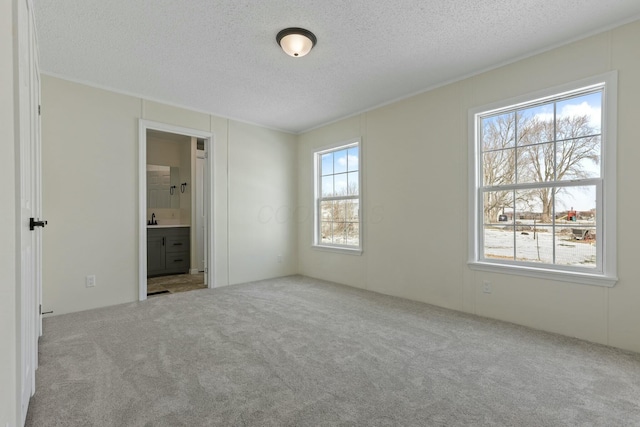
(33, 224)
(39, 113)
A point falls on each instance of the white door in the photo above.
(36, 177)
(200, 211)
(28, 165)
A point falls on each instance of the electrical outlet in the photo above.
(486, 287)
(280, 258)
(90, 281)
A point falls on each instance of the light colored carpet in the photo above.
(301, 352)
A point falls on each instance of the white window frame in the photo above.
(317, 198)
(606, 272)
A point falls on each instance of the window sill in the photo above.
(338, 249)
(542, 273)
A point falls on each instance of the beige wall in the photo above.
(415, 195)
(90, 190)
(414, 156)
(90, 195)
(262, 190)
(9, 394)
(164, 153)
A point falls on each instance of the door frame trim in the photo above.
(143, 126)
(203, 156)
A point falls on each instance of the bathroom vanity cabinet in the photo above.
(168, 250)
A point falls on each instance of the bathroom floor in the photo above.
(176, 283)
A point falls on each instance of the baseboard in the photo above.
(193, 271)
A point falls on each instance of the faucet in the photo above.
(153, 219)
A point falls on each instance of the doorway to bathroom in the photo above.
(175, 245)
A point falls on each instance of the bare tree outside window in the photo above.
(338, 189)
(530, 157)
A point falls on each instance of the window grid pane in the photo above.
(557, 142)
(327, 186)
(338, 190)
(327, 164)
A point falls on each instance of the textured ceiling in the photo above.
(221, 56)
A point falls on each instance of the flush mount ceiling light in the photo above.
(296, 42)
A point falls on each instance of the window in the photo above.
(337, 204)
(544, 184)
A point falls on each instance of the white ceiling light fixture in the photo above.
(296, 42)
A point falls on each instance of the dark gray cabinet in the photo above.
(168, 251)
(155, 252)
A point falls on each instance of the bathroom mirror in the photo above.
(163, 187)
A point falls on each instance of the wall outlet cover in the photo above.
(486, 287)
(90, 281)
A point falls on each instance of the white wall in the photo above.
(414, 156)
(9, 394)
(262, 196)
(90, 193)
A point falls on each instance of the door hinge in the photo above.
(33, 224)
(39, 113)
(40, 309)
